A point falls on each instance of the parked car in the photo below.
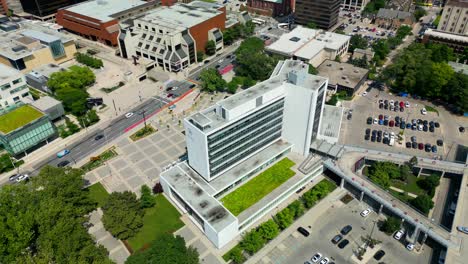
(427, 147)
(343, 243)
(366, 212)
(324, 261)
(407, 104)
(420, 146)
(413, 139)
(434, 148)
(315, 258)
(440, 142)
(463, 229)
(345, 230)
(369, 120)
(367, 137)
(408, 144)
(391, 123)
(410, 246)
(399, 234)
(128, 115)
(437, 124)
(303, 231)
(63, 163)
(379, 255)
(337, 239)
(368, 131)
(424, 111)
(414, 145)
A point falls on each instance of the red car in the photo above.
(380, 117)
(169, 95)
(421, 146)
(391, 123)
(402, 104)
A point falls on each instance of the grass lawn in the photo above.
(400, 196)
(98, 193)
(258, 187)
(17, 118)
(431, 109)
(409, 186)
(160, 219)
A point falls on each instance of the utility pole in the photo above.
(115, 109)
(143, 112)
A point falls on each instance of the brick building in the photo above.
(98, 20)
(270, 7)
(169, 37)
(393, 19)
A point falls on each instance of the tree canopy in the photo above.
(210, 47)
(252, 61)
(42, 222)
(357, 42)
(123, 214)
(167, 249)
(212, 81)
(238, 31)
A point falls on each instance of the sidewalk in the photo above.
(313, 214)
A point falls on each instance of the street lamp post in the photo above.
(143, 112)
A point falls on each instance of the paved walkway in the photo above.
(117, 250)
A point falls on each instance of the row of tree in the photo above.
(238, 31)
(423, 70)
(70, 87)
(255, 239)
(88, 60)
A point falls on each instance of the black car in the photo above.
(386, 107)
(366, 137)
(413, 139)
(425, 122)
(402, 109)
(420, 121)
(373, 138)
(431, 128)
(434, 148)
(385, 122)
(414, 145)
(349, 116)
(385, 140)
(379, 255)
(63, 163)
(369, 120)
(440, 142)
(436, 124)
(98, 137)
(379, 139)
(397, 119)
(381, 106)
(427, 147)
(402, 125)
(425, 128)
(336, 239)
(368, 131)
(303, 231)
(431, 123)
(386, 102)
(345, 230)
(343, 243)
(408, 144)
(461, 129)
(374, 133)
(379, 133)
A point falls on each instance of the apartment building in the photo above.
(45, 9)
(169, 37)
(324, 13)
(393, 19)
(98, 20)
(454, 18)
(13, 88)
(29, 44)
(271, 8)
(354, 4)
(230, 142)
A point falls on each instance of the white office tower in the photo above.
(230, 142)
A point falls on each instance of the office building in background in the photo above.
(324, 13)
(45, 9)
(454, 18)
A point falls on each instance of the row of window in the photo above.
(227, 131)
(31, 138)
(8, 85)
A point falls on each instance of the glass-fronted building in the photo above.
(19, 134)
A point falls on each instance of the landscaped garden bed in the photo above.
(144, 132)
(98, 161)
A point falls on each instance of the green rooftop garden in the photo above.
(17, 118)
(258, 187)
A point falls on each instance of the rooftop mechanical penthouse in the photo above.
(233, 141)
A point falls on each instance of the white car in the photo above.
(407, 104)
(324, 261)
(424, 111)
(364, 93)
(376, 121)
(22, 177)
(366, 212)
(420, 127)
(391, 102)
(316, 257)
(410, 246)
(128, 115)
(399, 234)
(463, 229)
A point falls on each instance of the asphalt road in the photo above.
(86, 146)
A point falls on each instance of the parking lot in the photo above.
(354, 130)
(353, 23)
(297, 249)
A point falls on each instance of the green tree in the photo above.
(147, 199)
(167, 249)
(357, 42)
(252, 61)
(268, 230)
(211, 80)
(381, 178)
(32, 228)
(123, 216)
(71, 126)
(284, 218)
(88, 60)
(200, 56)
(236, 255)
(391, 225)
(309, 198)
(252, 242)
(297, 208)
(381, 50)
(419, 12)
(312, 70)
(210, 47)
(429, 183)
(312, 25)
(423, 203)
(232, 87)
(441, 73)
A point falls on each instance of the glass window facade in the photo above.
(57, 49)
(27, 137)
(233, 143)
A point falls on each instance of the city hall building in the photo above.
(234, 140)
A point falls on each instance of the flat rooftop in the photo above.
(197, 195)
(280, 79)
(446, 35)
(18, 117)
(181, 16)
(46, 70)
(103, 10)
(306, 43)
(45, 102)
(7, 72)
(331, 121)
(340, 73)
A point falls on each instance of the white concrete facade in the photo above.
(13, 87)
